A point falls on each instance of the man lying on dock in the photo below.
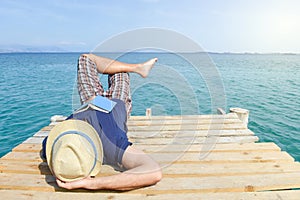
(70, 160)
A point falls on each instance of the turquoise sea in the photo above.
(36, 86)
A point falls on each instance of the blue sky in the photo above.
(262, 26)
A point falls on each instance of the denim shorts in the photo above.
(112, 130)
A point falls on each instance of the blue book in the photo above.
(99, 103)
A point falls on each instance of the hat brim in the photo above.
(75, 125)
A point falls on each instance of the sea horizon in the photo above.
(158, 52)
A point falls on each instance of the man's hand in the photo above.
(83, 183)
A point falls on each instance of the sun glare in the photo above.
(285, 25)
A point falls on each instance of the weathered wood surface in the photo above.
(202, 157)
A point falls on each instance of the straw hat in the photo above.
(74, 150)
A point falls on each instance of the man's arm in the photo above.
(142, 171)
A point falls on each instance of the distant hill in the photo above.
(29, 49)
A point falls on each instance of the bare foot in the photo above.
(144, 68)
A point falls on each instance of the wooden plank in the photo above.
(47, 128)
(267, 195)
(35, 167)
(185, 137)
(34, 140)
(91, 195)
(133, 119)
(189, 133)
(247, 183)
(28, 148)
(179, 133)
(170, 170)
(21, 167)
(197, 148)
(228, 169)
(273, 195)
(41, 133)
(182, 121)
(178, 148)
(173, 120)
(220, 157)
(188, 140)
(185, 117)
(188, 127)
(28, 182)
(194, 140)
(23, 156)
(160, 120)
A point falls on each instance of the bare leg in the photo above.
(109, 66)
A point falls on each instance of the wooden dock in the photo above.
(202, 157)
